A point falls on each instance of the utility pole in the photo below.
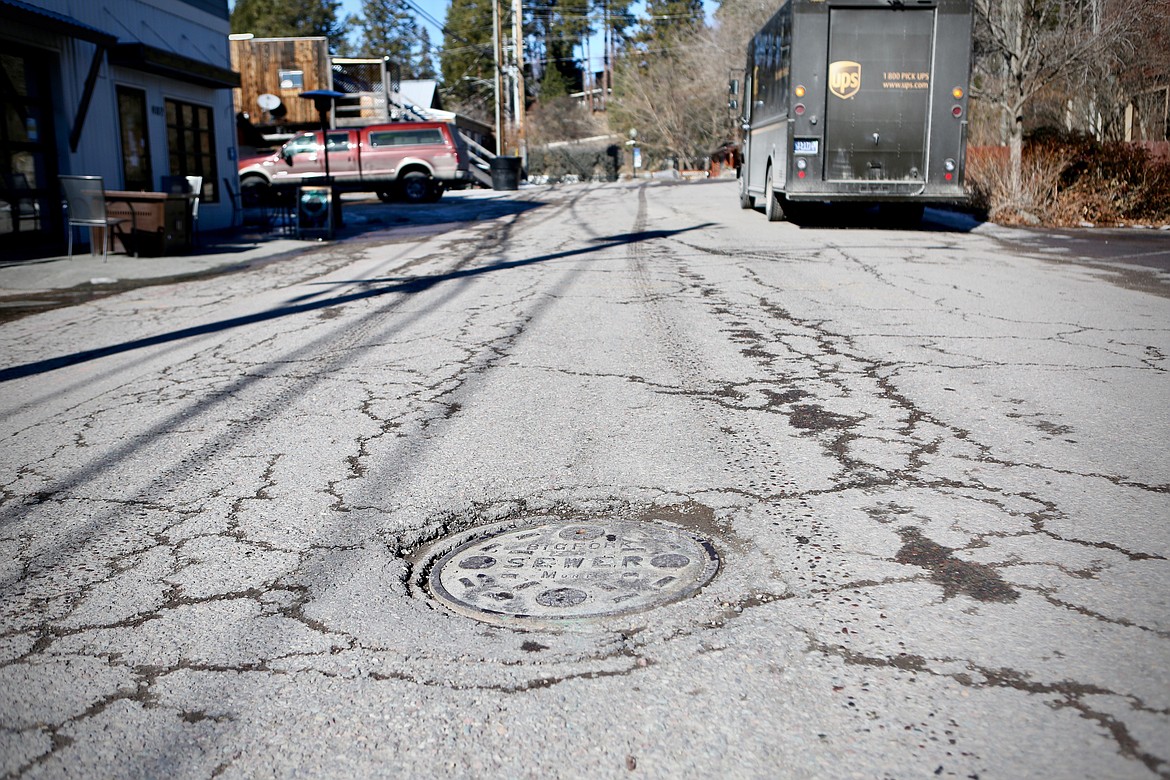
(606, 78)
(518, 45)
(498, 43)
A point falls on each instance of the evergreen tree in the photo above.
(425, 69)
(553, 85)
(669, 20)
(558, 27)
(467, 62)
(388, 28)
(290, 19)
(617, 15)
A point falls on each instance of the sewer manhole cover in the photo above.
(560, 571)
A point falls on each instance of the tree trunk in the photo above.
(1017, 76)
(1016, 152)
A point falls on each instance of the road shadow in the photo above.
(840, 216)
(371, 288)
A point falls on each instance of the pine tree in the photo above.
(468, 62)
(388, 28)
(558, 27)
(669, 20)
(425, 69)
(290, 19)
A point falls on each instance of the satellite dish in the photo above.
(268, 101)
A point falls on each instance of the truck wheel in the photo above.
(416, 187)
(745, 201)
(772, 208)
(255, 192)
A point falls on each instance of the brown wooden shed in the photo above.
(284, 67)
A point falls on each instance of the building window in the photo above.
(292, 79)
(191, 142)
(136, 171)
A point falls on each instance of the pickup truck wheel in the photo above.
(416, 187)
(254, 192)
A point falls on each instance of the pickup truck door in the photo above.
(308, 159)
(343, 155)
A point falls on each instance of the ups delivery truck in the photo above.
(860, 101)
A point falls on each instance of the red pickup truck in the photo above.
(417, 160)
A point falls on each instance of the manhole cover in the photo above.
(560, 571)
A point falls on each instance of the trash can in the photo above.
(314, 212)
(505, 173)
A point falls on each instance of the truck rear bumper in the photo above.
(880, 192)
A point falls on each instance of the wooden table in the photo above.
(160, 224)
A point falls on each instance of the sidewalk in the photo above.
(214, 252)
(28, 286)
(28, 279)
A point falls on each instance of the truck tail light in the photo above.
(949, 167)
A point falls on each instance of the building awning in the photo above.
(51, 21)
(148, 59)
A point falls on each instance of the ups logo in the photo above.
(844, 78)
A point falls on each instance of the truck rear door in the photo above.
(876, 119)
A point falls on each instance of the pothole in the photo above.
(558, 573)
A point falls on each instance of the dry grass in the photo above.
(1071, 181)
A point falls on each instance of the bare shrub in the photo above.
(989, 176)
(1114, 183)
(562, 119)
(1068, 180)
(574, 162)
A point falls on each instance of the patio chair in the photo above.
(24, 207)
(195, 183)
(192, 187)
(85, 204)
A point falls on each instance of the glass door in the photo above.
(28, 168)
(136, 170)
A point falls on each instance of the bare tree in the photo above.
(673, 89)
(1027, 46)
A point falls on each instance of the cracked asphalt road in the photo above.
(933, 464)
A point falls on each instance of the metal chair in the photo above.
(192, 187)
(85, 203)
(195, 185)
(25, 207)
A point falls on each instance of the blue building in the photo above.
(131, 90)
